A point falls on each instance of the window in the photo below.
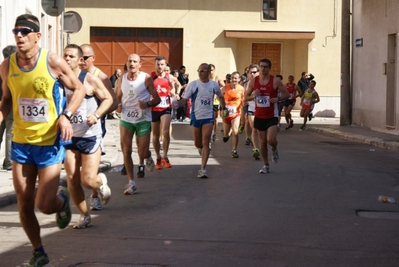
(269, 9)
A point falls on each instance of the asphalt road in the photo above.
(303, 213)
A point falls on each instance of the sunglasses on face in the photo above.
(23, 31)
(201, 71)
(86, 57)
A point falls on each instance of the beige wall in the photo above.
(204, 23)
(373, 22)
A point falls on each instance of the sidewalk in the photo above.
(327, 126)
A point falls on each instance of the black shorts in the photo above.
(216, 108)
(280, 107)
(288, 103)
(245, 110)
(264, 124)
(156, 115)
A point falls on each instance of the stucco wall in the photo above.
(373, 21)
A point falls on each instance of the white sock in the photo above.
(132, 182)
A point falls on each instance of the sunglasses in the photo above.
(23, 31)
(201, 71)
(86, 57)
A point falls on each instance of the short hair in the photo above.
(75, 46)
(8, 50)
(254, 66)
(159, 58)
(303, 73)
(174, 71)
(182, 67)
(212, 66)
(313, 81)
(265, 60)
(291, 76)
(279, 76)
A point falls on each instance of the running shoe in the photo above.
(247, 142)
(287, 127)
(166, 163)
(158, 166)
(213, 137)
(104, 192)
(200, 151)
(265, 169)
(202, 174)
(123, 170)
(38, 260)
(84, 221)
(291, 123)
(140, 173)
(234, 154)
(303, 128)
(63, 217)
(255, 153)
(241, 129)
(149, 164)
(310, 116)
(275, 155)
(225, 139)
(95, 203)
(130, 189)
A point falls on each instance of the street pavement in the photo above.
(195, 212)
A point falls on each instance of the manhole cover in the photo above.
(378, 214)
(92, 264)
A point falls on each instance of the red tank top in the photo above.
(263, 108)
(162, 85)
(292, 91)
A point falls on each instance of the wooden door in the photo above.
(271, 51)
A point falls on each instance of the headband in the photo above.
(27, 23)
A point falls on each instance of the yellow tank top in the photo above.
(37, 102)
(216, 101)
(96, 72)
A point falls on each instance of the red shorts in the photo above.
(230, 118)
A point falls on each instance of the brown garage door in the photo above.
(269, 51)
(113, 45)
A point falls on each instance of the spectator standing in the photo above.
(183, 79)
(8, 124)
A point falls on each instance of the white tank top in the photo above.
(132, 92)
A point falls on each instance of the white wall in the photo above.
(11, 9)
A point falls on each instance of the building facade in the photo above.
(375, 65)
(50, 25)
(230, 34)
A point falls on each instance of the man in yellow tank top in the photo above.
(31, 90)
(216, 103)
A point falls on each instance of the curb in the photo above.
(377, 142)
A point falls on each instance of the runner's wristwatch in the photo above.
(67, 114)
